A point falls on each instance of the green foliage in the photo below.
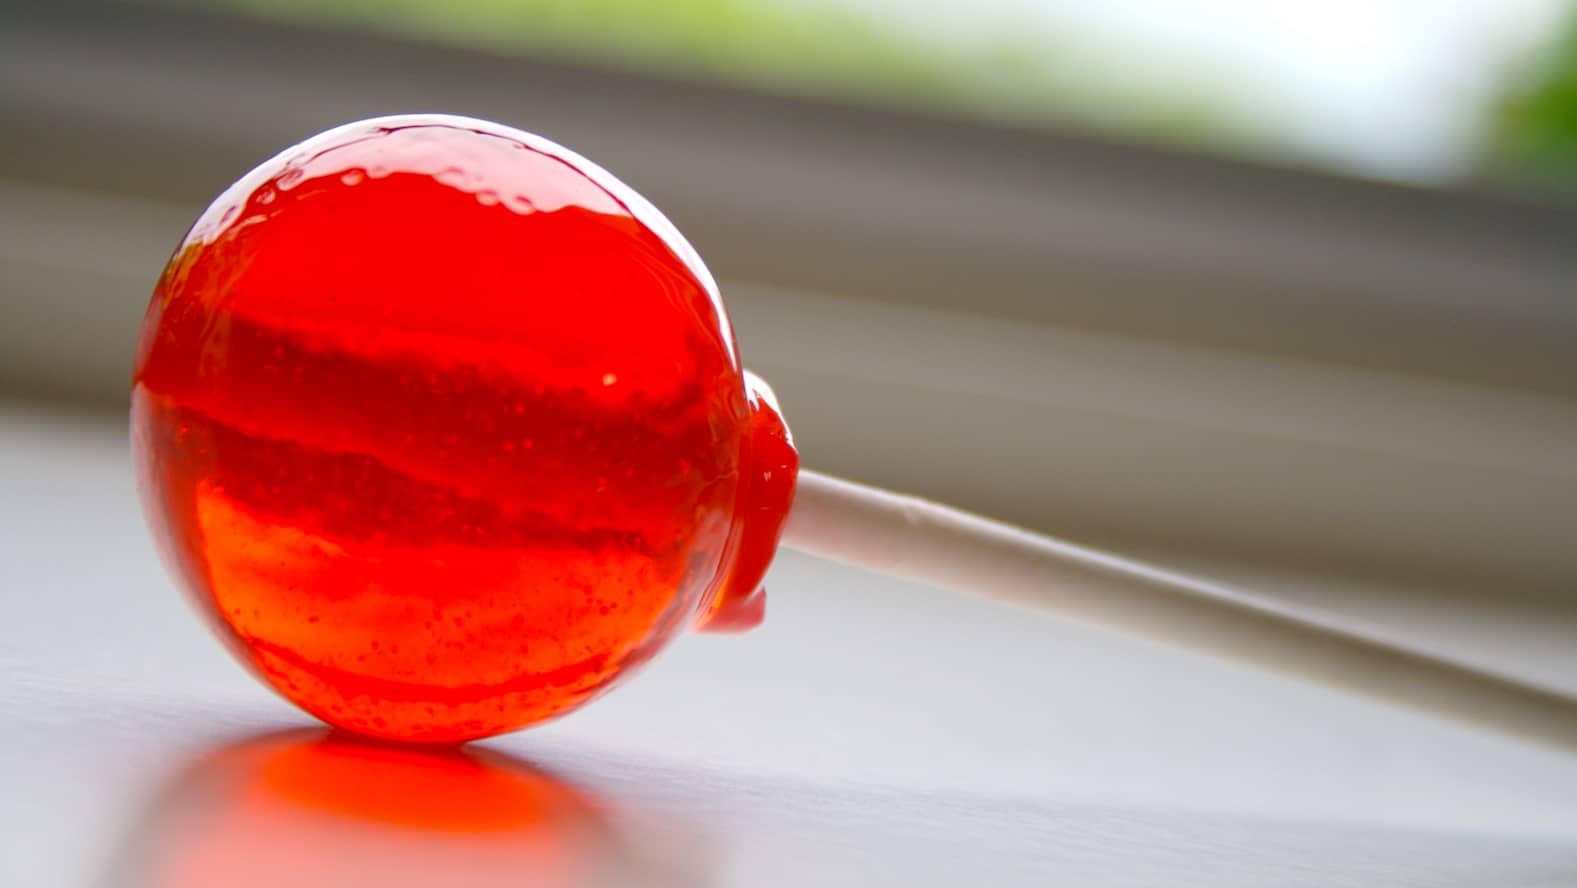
(1538, 125)
(808, 48)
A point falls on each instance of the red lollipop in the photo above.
(447, 429)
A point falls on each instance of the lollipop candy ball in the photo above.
(446, 429)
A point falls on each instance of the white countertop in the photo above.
(870, 733)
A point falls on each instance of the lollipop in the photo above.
(446, 429)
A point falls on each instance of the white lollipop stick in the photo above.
(913, 539)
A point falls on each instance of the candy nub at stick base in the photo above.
(917, 540)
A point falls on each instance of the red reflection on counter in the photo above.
(305, 810)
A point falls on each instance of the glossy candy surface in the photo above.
(446, 429)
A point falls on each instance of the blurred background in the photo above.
(1283, 294)
(1287, 290)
